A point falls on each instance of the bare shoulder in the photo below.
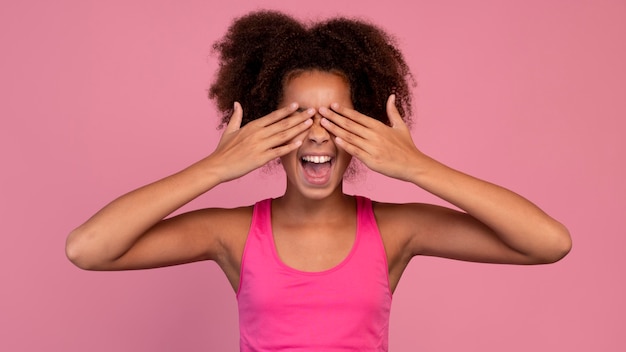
(229, 219)
(399, 226)
(406, 224)
(405, 216)
(229, 226)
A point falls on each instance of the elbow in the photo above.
(558, 245)
(76, 251)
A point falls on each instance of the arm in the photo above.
(498, 225)
(130, 232)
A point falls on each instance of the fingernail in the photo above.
(310, 111)
(293, 105)
(308, 122)
(324, 121)
(334, 105)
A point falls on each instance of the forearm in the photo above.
(517, 222)
(114, 229)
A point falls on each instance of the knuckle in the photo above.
(253, 124)
(350, 125)
(349, 137)
(284, 124)
(278, 152)
(283, 135)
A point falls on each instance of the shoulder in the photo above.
(226, 214)
(226, 222)
(394, 219)
(408, 223)
(227, 228)
(400, 227)
(401, 214)
(214, 228)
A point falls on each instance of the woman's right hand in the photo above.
(130, 233)
(244, 149)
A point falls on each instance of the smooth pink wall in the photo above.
(99, 97)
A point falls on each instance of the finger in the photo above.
(285, 128)
(292, 120)
(235, 120)
(395, 120)
(351, 143)
(347, 125)
(352, 149)
(354, 115)
(345, 139)
(284, 136)
(284, 149)
(277, 114)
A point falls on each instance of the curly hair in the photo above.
(262, 49)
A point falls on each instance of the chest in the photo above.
(347, 304)
(314, 247)
(315, 276)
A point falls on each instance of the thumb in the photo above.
(235, 120)
(395, 120)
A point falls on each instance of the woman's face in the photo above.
(316, 168)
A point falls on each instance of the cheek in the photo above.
(347, 158)
(289, 161)
(343, 160)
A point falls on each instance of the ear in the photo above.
(395, 120)
(235, 120)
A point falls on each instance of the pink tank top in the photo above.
(345, 308)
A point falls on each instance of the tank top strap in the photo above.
(365, 214)
(372, 254)
(258, 247)
(261, 214)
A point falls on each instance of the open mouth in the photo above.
(316, 159)
(317, 168)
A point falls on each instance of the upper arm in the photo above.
(457, 235)
(442, 232)
(206, 234)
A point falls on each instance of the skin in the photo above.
(314, 224)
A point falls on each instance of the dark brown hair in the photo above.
(262, 48)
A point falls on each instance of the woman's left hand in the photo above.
(388, 150)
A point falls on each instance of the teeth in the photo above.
(316, 159)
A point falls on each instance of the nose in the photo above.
(317, 133)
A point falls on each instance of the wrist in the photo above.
(420, 168)
(203, 175)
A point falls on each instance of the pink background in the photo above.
(99, 97)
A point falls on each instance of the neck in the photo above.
(296, 206)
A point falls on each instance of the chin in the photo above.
(314, 191)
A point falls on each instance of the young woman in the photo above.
(314, 269)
